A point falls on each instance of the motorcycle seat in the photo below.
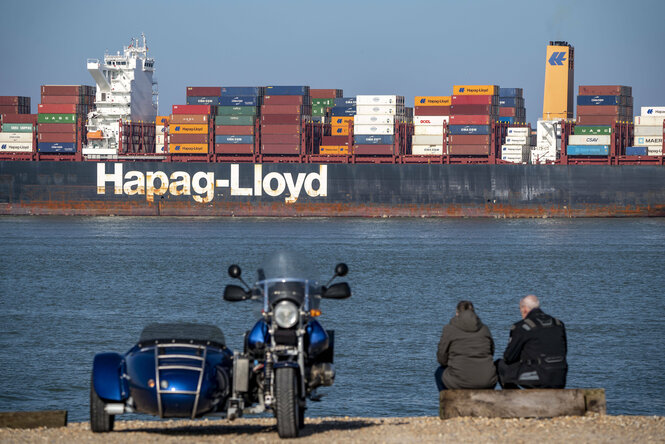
(182, 332)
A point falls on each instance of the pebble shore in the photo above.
(588, 429)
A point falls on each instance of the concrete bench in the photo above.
(32, 420)
(534, 403)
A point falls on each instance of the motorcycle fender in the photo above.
(318, 338)
(107, 370)
(285, 364)
(258, 336)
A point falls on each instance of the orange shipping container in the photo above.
(332, 149)
(340, 130)
(338, 120)
(188, 148)
(162, 120)
(188, 129)
(95, 135)
(475, 90)
(432, 101)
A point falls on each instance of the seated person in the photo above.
(465, 352)
(536, 353)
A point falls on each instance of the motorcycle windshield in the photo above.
(288, 275)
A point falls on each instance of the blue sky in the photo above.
(364, 47)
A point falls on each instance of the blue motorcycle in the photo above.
(288, 354)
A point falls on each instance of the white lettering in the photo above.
(115, 177)
(258, 174)
(322, 178)
(235, 182)
(150, 184)
(208, 188)
(294, 188)
(281, 184)
(180, 187)
(136, 186)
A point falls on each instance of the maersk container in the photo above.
(17, 127)
(236, 110)
(56, 147)
(203, 100)
(16, 147)
(343, 110)
(235, 120)
(427, 130)
(379, 100)
(588, 150)
(360, 119)
(582, 130)
(15, 137)
(373, 129)
(470, 129)
(363, 139)
(345, 101)
(287, 90)
(430, 120)
(234, 139)
(242, 91)
(397, 110)
(239, 101)
(600, 100)
(643, 130)
(648, 140)
(517, 102)
(636, 151)
(511, 92)
(57, 118)
(653, 111)
(427, 150)
(589, 140)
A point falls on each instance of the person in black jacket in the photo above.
(536, 353)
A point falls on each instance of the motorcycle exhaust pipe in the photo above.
(322, 374)
(114, 409)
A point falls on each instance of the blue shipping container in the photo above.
(208, 100)
(510, 92)
(588, 150)
(511, 101)
(345, 101)
(239, 101)
(382, 139)
(287, 90)
(56, 147)
(242, 91)
(483, 130)
(234, 139)
(343, 111)
(599, 100)
(636, 151)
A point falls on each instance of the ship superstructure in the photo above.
(126, 92)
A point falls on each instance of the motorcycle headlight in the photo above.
(285, 314)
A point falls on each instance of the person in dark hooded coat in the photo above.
(466, 352)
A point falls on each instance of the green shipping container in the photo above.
(234, 120)
(56, 118)
(236, 110)
(591, 130)
(17, 128)
(323, 102)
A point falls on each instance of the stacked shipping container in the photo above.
(283, 112)
(17, 129)
(517, 146)
(511, 106)
(648, 132)
(604, 105)
(14, 105)
(430, 114)
(61, 117)
(473, 110)
(322, 100)
(374, 124)
(236, 120)
(161, 127)
(189, 129)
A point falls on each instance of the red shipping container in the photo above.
(19, 118)
(474, 109)
(237, 148)
(191, 109)
(469, 139)
(600, 110)
(325, 93)
(9, 100)
(188, 138)
(57, 137)
(431, 111)
(283, 100)
(462, 119)
(65, 90)
(189, 119)
(286, 109)
(373, 150)
(474, 100)
(66, 99)
(60, 108)
(234, 130)
(280, 129)
(56, 127)
(505, 111)
(605, 90)
(469, 150)
(280, 138)
(204, 91)
(598, 120)
(282, 119)
(280, 148)
(335, 140)
(11, 109)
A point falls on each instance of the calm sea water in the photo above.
(73, 287)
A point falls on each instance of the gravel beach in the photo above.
(589, 429)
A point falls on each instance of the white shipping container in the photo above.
(648, 130)
(373, 120)
(512, 149)
(516, 140)
(655, 150)
(395, 110)
(160, 148)
(160, 129)
(15, 137)
(649, 120)
(427, 150)
(16, 147)
(589, 140)
(428, 130)
(427, 140)
(379, 100)
(648, 140)
(430, 120)
(512, 159)
(520, 131)
(159, 139)
(373, 129)
(653, 111)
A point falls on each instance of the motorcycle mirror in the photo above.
(337, 291)
(341, 269)
(235, 293)
(235, 271)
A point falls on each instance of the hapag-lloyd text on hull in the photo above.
(202, 184)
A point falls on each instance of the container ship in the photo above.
(300, 151)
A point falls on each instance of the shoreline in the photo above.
(589, 428)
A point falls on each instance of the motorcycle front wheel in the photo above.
(288, 406)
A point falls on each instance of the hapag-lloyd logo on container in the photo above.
(201, 185)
